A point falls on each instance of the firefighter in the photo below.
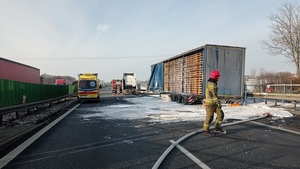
(212, 104)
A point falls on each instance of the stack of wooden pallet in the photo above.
(193, 73)
(184, 74)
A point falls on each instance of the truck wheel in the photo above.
(184, 100)
(179, 99)
(172, 97)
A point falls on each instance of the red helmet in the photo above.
(215, 74)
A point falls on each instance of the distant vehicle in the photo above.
(60, 82)
(88, 87)
(75, 82)
(142, 88)
(116, 86)
(129, 85)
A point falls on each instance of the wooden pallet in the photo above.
(184, 74)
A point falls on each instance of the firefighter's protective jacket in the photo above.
(211, 92)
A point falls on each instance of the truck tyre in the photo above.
(185, 100)
(179, 99)
(172, 97)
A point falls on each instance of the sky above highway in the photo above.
(110, 37)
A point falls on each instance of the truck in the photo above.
(20, 72)
(129, 84)
(142, 87)
(183, 77)
(116, 86)
(60, 82)
(88, 87)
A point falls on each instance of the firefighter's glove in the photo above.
(219, 105)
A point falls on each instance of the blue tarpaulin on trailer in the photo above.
(156, 81)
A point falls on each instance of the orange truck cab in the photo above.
(88, 87)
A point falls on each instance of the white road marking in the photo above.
(105, 143)
(11, 155)
(190, 155)
(169, 149)
(277, 128)
(78, 151)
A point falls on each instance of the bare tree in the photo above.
(284, 38)
(253, 73)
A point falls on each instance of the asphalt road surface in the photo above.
(99, 143)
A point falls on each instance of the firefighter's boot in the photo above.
(206, 130)
(218, 127)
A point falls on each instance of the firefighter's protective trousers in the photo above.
(210, 110)
(211, 103)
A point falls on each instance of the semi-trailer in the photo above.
(183, 77)
(16, 71)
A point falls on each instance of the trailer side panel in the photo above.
(12, 70)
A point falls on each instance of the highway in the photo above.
(78, 142)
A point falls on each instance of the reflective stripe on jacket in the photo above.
(211, 93)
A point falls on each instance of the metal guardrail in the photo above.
(284, 85)
(28, 106)
(277, 96)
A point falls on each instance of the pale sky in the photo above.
(110, 37)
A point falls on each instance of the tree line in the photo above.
(264, 78)
(270, 77)
(50, 79)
